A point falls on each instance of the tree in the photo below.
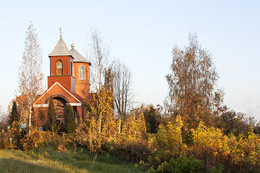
(257, 128)
(210, 144)
(98, 54)
(30, 73)
(152, 119)
(101, 104)
(69, 120)
(161, 137)
(235, 123)
(106, 94)
(123, 96)
(51, 124)
(15, 116)
(192, 84)
(3, 120)
(174, 135)
(99, 125)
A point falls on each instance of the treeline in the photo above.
(156, 143)
(193, 131)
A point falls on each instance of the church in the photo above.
(68, 83)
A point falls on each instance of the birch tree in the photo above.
(101, 102)
(192, 84)
(30, 73)
(98, 53)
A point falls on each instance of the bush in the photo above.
(12, 138)
(159, 157)
(69, 120)
(218, 169)
(15, 116)
(152, 119)
(43, 139)
(130, 152)
(183, 164)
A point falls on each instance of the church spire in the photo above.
(72, 44)
(60, 48)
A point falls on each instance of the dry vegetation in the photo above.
(194, 132)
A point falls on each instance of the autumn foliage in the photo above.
(199, 135)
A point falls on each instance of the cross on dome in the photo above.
(60, 33)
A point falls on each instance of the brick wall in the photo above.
(66, 63)
(67, 82)
(82, 86)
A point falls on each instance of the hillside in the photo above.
(53, 161)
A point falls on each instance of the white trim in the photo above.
(61, 87)
(40, 105)
(68, 92)
(46, 105)
(74, 104)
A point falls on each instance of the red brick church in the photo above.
(68, 82)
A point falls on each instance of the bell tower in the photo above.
(68, 83)
(81, 73)
(61, 66)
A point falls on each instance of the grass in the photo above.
(49, 160)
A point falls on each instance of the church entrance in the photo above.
(59, 106)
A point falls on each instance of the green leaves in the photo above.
(69, 120)
(51, 124)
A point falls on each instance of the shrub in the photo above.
(158, 157)
(15, 116)
(12, 138)
(130, 152)
(51, 124)
(69, 120)
(183, 164)
(218, 169)
(42, 139)
(152, 119)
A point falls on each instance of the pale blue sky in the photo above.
(142, 34)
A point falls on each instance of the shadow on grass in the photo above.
(84, 160)
(13, 165)
(49, 160)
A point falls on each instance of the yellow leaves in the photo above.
(216, 145)
(179, 121)
(210, 138)
(253, 158)
(210, 141)
(161, 137)
(135, 128)
(170, 137)
(151, 139)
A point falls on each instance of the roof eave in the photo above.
(82, 62)
(50, 55)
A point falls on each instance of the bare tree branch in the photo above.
(98, 55)
(123, 95)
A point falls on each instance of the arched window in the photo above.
(59, 67)
(81, 72)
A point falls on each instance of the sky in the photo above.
(142, 34)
